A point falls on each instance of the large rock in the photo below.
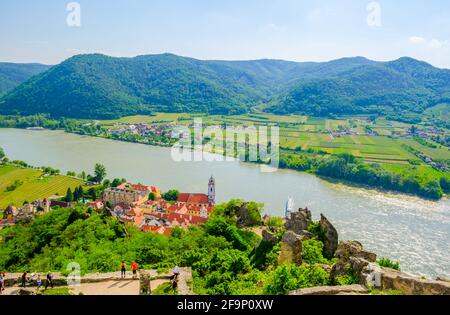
(412, 285)
(347, 249)
(299, 221)
(144, 283)
(244, 218)
(330, 236)
(336, 290)
(291, 249)
(353, 259)
(269, 236)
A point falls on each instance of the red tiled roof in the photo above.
(193, 198)
(138, 220)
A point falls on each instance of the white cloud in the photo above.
(417, 40)
(433, 43)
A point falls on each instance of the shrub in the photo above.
(312, 251)
(287, 278)
(385, 262)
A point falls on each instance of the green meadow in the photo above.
(31, 185)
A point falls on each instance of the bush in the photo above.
(312, 252)
(385, 262)
(14, 186)
(287, 278)
(275, 224)
(171, 195)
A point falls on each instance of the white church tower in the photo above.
(212, 190)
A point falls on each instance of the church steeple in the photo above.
(212, 190)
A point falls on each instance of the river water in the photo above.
(408, 229)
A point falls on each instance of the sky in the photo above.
(50, 31)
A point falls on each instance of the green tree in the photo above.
(445, 184)
(69, 196)
(92, 193)
(152, 196)
(171, 195)
(82, 175)
(100, 172)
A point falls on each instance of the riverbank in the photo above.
(381, 161)
(372, 176)
(411, 230)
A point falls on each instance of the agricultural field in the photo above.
(440, 111)
(32, 185)
(159, 117)
(423, 172)
(334, 136)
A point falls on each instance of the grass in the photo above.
(159, 117)
(441, 111)
(57, 291)
(164, 289)
(34, 185)
(424, 172)
(440, 153)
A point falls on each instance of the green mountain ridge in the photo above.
(13, 74)
(101, 87)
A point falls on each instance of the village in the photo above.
(140, 205)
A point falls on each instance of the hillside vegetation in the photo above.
(225, 259)
(102, 87)
(12, 74)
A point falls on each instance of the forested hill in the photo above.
(13, 74)
(398, 87)
(98, 86)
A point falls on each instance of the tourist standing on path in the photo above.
(134, 267)
(123, 269)
(39, 281)
(2, 282)
(176, 271)
(49, 280)
(24, 279)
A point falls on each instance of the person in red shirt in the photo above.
(134, 267)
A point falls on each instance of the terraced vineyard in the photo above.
(33, 185)
(319, 134)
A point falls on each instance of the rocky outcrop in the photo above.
(306, 235)
(144, 283)
(244, 218)
(352, 259)
(389, 279)
(269, 236)
(347, 249)
(291, 249)
(337, 290)
(330, 236)
(299, 221)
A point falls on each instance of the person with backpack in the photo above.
(49, 280)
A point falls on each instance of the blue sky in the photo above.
(36, 31)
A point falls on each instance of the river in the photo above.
(414, 231)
